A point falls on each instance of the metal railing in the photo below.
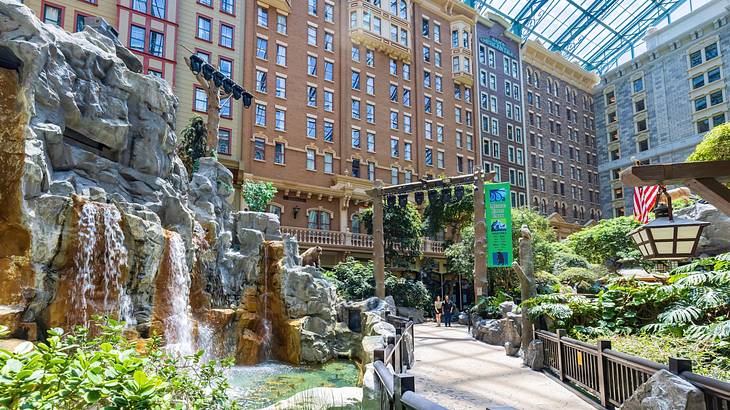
(306, 236)
(397, 389)
(611, 377)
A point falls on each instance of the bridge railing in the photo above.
(612, 377)
(397, 388)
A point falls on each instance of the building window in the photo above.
(225, 66)
(329, 131)
(329, 41)
(137, 38)
(370, 113)
(355, 136)
(312, 7)
(355, 109)
(406, 72)
(370, 85)
(638, 85)
(394, 180)
(318, 220)
(140, 5)
(280, 120)
(311, 158)
(328, 163)
(80, 22)
(713, 75)
(226, 36)
(311, 96)
(261, 81)
(393, 120)
(429, 157)
(312, 65)
(281, 23)
(369, 58)
(329, 101)
(407, 97)
(201, 100)
(394, 147)
(355, 53)
(711, 51)
(259, 149)
(311, 35)
(716, 98)
(204, 29)
(329, 68)
(329, 13)
(226, 108)
(440, 159)
(262, 46)
(224, 141)
(227, 6)
(260, 115)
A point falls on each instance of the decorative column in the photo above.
(526, 272)
(378, 237)
(481, 285)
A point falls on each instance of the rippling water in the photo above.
(267, 383)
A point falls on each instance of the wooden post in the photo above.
(561, 356)
(480, 239)
(379, 354)
(398, 353)
(603, 379)
(679, 365)
(378, 238)
(401, 384)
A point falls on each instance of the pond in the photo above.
(262, 385)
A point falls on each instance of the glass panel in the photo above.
(662, 233)
(664, 248)
(687, 232)
(685, 246)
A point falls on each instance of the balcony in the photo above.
(377, 29)
(347, 241)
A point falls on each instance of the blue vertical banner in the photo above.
(499, 225)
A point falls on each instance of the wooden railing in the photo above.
(397, 388)
(611, 377)
(339, 239)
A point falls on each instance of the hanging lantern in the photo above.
(391, 200)
(402, 200)
(433, 195)
(459, 192)
(207, 71)
(446, 195)
(196, 64)
(668, 237)
(418, 197)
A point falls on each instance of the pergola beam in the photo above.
(704, 178)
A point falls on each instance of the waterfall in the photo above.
(106, 253)
(179, 324)
(266, 321)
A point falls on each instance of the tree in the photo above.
(455, 214)
(715, 146)
(402, 229)
(193, 144)
(607, 242)
(460, 254)
(258, 195)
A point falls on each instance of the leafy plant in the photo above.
(455, 214)
(715, 146)
(193, 144)
(487, 307)
(582, 279)
(460, 255)
(565, 259)
(76, 371)
(402, 229)
(607, 242)
(258, 195)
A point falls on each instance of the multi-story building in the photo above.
(657, 107)
(151, 29)
(561, 137)
(501, 109)
(347, 93)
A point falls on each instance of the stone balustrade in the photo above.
(348, 240)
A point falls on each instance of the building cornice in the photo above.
(450, 10)
(535, 54)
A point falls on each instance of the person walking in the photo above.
(438, 308)
(448, 308)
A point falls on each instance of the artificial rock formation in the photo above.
(665, 391)
(714, 239)
(99, 216)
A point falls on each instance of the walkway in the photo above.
(459, 372)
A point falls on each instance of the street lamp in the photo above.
(668, 237)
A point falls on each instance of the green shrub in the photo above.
(258, 195)
(565, 260)
(715, 146)
(582, 279)
(75, 371)
(546, 282)
(356, 281)
(488, 306)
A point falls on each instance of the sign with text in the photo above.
(499, 225)
(497, 44)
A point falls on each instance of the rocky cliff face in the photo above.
(98, 215)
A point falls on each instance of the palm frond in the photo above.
(695, 279)
(710, 298)
(680, 314)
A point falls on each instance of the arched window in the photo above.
(529, 76)
(575, 211)
(593, 214)
(544, 206)
(562, 210)
(535, 204)
(355, 223)
(582, 213)
(556, 207)
(317, 219)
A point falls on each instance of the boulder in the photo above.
(491, 331)
(417, 315)
(665, 391)
(391, 305)
(511, 349)
(534, 358)
(263, 222)
(714, 239)
(507, 307)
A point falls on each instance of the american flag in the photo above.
(644, 199)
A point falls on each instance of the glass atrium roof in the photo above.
(597, 34)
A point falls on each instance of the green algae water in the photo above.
(262, 385)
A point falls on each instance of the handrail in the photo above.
(612, 376)
(385, 376)
(416, 401)
(348, 239)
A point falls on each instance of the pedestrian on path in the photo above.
(448, 311)
(438, 308)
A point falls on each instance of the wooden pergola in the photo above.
(706, 179)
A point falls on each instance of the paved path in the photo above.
(459, 372)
